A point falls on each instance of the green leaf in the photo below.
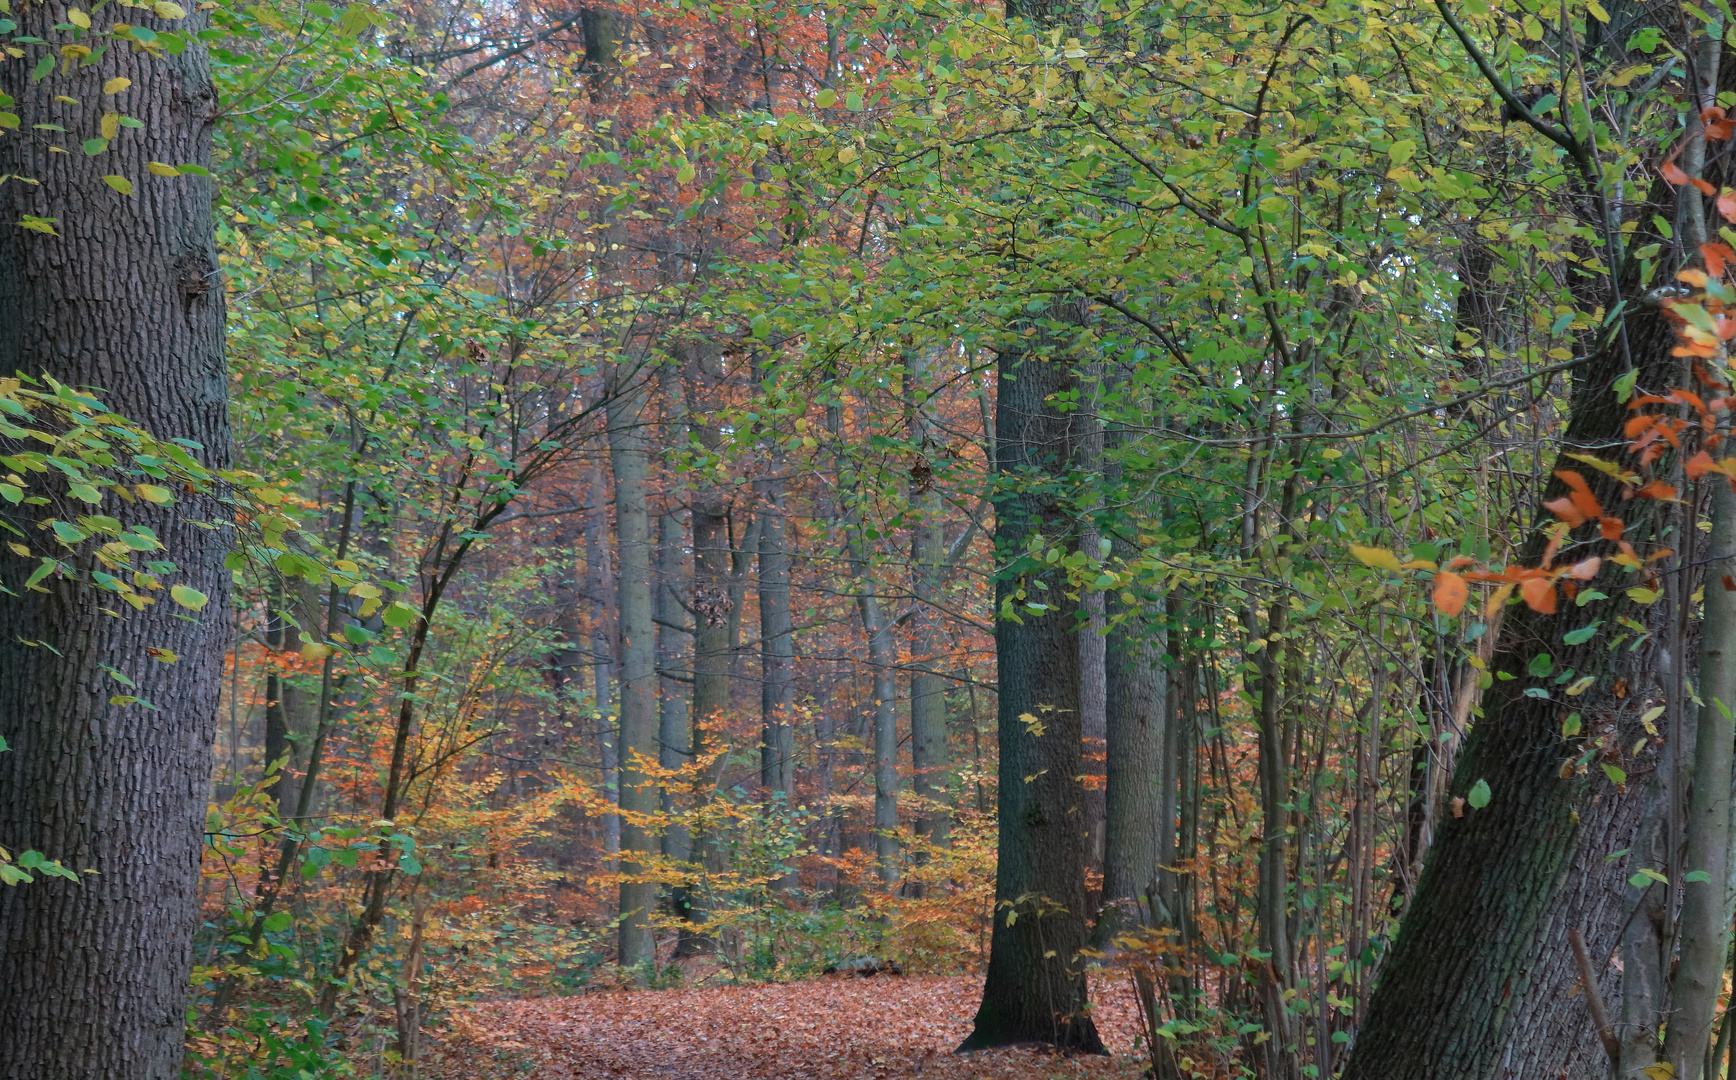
(853, 101)
(42, 68)
(1479, 795)
(1541, 664)
(119, 183)
(409, 864)
(278, 920)
(1616, 774)
(1571, 726)
(398, 615)
(188, 597)
(85, 493)
(94, 147)
(1698, 875)
(827, 98)
(1582, 635)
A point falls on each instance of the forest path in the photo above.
(832, 1028)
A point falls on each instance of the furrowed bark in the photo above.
(125, 300)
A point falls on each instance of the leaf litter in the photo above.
(838, 1028)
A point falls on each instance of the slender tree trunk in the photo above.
(777, 638)
(1035, 985)
(929, 758)
(126, 299)
(600, 579)
(1705, 919)
(638, 740)
(1136, 729)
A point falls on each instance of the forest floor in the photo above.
(833, 1028)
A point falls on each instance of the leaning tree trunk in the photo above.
(1477, 982)
(125, 298)
(1035, 986)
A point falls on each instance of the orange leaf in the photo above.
(1583, 499)
(1496, 599)
(1610, 527)
(1672, 173)
(1657, 489)
(1539, 594)
(1705, 187)
(1698, 465)
(1727, 205)
(1716, 255)
(1450, 593)
(1459, 560)
(1564, 509)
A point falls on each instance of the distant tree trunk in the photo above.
(627, 395)
(1137, 836)
(777, 638)
(600, 582)
(1035, 985)
(929, 759)
(127, 300)
(674, 720)
(883, 664)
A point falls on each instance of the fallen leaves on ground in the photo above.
(820, 1029)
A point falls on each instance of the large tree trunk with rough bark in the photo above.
(1035, 986)
(125, 299)
(1480, 981)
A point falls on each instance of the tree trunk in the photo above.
(638, 739)
(929, 759)
(777, 638)
(600, 581)
(1035, 986)
(125, 299)
(1473, 986)
(1136, 727)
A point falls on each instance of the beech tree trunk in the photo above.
(777, 638)
(638, 739)
(126, 299)
(929, 759)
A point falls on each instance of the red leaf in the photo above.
(1539, 594)
(1727, 205)
(1705, 188)
(1450, 593)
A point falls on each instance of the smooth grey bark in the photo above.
(674, 726)
(600, 583)
(1704, 925)
(777, 636)
(929, 757)
(628, 391)
(126, 300)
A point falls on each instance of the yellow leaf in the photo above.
(157, 168)
(1379, 558)
(1643, 595)
(116, 84)
(151, 493)
(1597, 11)
(1628, 75)
(119, 183)
(166, 10)
(313, 650)
(1418, 564)
(111, 124)
(1663, 1070)
(190, 598)
(78, 18)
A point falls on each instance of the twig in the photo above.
(1594, 999)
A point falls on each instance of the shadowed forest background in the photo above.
(701, 540)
